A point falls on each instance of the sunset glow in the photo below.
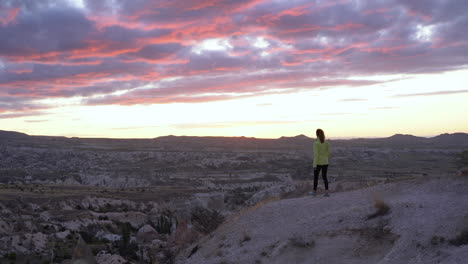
(256, 68)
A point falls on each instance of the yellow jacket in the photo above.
(321, 152)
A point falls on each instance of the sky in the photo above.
(254, 68)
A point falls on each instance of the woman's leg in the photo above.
(324, 176)
(316, 175)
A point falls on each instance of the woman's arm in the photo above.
(315, 155)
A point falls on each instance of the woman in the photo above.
(321, 155)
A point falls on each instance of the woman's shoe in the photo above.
(312, 193)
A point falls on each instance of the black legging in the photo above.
(324, 169)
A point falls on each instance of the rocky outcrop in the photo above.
(106, 258)
(146, 234)
(212, 200)
(423, 219)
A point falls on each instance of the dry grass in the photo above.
(205, 220)
(381, 209)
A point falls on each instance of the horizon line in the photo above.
(298, 135)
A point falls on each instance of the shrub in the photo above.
(238, 197)
(11, 256)
(381, 209)
(379, 232)
(163, 224)
(125, 246)
(301, 241)
(246, 238)
(436, 240)
(205, 221)
(461, 239)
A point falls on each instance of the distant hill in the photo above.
(11, 134)
(300, 142)
(456, 139)
(404, 137)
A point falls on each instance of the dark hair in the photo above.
(320, 134)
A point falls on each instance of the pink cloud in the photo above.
(8, 15)
(376, 11)
(415, 13)
(108, 49)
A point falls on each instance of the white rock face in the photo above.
(62, 235)
(38, 240)
(106, 258)
(146, 234)
(26, 243)
(146, 229)
(108, 236)
(45, 216)
(214, 200)
(337, 230)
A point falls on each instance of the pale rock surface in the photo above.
(214, 200)
(146, 234)
(146, 229)
(62, 235)
(336, 229)
(106, 258)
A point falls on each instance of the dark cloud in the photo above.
(44, 31)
